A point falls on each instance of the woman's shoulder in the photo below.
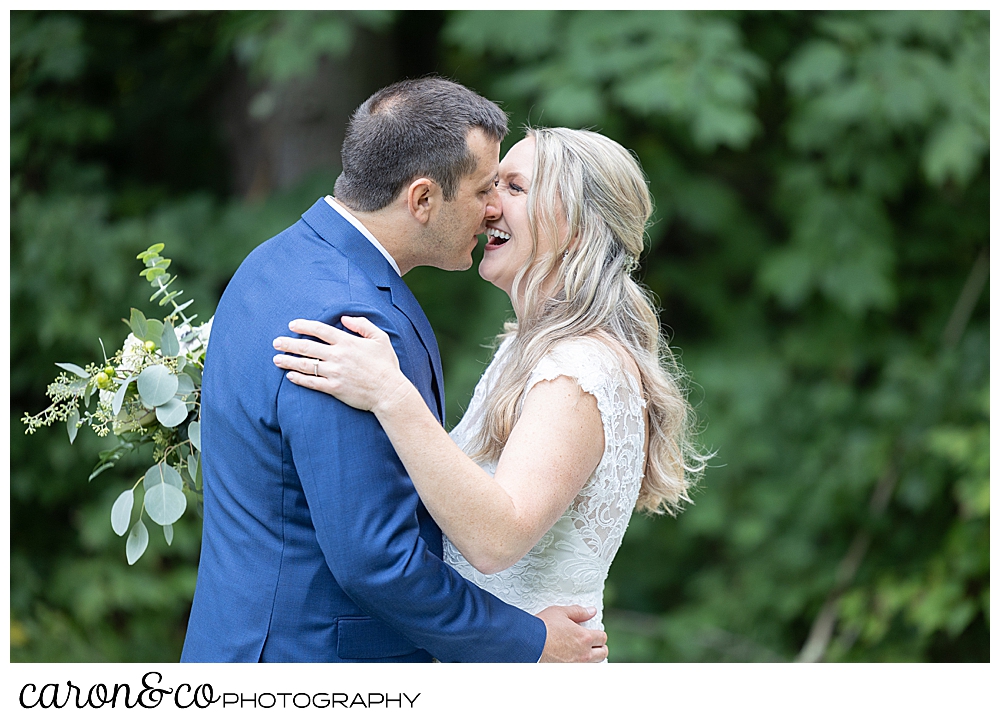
(594, 358)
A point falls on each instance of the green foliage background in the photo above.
(820, 250)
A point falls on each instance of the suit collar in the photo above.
(337, 231)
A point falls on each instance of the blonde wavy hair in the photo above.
(578, 282)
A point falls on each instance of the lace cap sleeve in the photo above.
(595, 367)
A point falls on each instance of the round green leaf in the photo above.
(172, 413)
(165, 504)
(136, 543)
(156, 385)
(194, 434)
(185, 385)
(154, 331)
(121, 512)
(162, 474)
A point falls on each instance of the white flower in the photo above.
(192, 344)
(132, 351)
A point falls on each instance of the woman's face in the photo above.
(508, 238)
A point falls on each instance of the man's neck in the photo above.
(384, 226)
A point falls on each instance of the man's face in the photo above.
(454, 234)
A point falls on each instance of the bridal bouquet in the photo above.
(146, 392)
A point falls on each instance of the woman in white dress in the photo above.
(577, 421)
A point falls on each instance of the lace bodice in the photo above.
(570, 563)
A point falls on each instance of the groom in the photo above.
(316, 547)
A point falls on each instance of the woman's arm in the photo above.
(553, 449)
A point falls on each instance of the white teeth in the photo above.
(498, 233)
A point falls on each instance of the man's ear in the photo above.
(423, 198)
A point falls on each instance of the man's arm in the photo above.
(364, 512)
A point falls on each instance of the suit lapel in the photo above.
(404, 300)
(335, 230)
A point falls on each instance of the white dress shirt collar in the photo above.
(349, 217)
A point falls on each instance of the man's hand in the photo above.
(568, 642)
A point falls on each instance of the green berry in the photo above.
(109, 370)
(103, 380)
(149, 345)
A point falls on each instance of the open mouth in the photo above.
(495, 238)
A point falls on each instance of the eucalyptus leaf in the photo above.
(168, 341)
(172, 413)
(162, 473)
(154, 331)
(116, 403)
(194, 434)
(121, 510)
(137, 322)
(73, 368)
(168, 534)
(165, 503)
(86, 395)
(192, 465)
(194, 372)
(136, 543)
(183, 306)
(156, 385)
(71, 421)
(181, 362)
(185, 385)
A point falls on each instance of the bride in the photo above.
(579, 418)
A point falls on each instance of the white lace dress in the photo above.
(570, 563)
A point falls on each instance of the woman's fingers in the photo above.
(320, 384)
(297, 364)
(304, 347)
(329, 334)
(361, 325)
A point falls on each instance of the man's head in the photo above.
(410, 129)
(430, 146)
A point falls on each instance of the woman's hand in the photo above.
(361, 371)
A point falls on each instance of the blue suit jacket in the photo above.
(315, 545)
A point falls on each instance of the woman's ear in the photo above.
(423, 198)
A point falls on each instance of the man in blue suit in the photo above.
(315, 546)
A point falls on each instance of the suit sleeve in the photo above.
(364, 510)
